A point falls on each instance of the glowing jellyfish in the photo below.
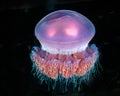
(65, 56)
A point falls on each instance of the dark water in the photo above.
(17, 38)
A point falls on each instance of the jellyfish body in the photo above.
(65, 53)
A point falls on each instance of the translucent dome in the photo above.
(64, 32)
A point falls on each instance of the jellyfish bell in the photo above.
(65, 54)
(64, 32)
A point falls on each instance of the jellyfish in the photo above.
(65, 57)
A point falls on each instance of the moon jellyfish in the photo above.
(65, 57)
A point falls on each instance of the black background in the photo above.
(18, 20)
